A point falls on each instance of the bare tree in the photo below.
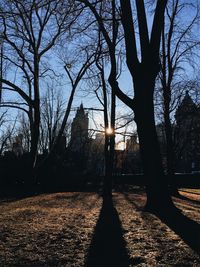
(144, 72)
(3, 135)
(7, 130)
(23, 129)
(52, 111)
(112, 25)
(1, 68)
(109, 128)
(74, 75)
(179, 46)
(30, 31)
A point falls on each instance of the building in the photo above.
(131, 156)
(87, 154)
(78, 148)
(187, 135)
(79, 130)
(96, 162)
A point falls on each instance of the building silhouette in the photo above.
(79, 130)
(87, 154)
(187, 135)
(79, 142)
(132, 162)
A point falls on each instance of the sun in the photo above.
(109, 131)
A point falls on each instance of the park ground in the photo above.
(74, 229)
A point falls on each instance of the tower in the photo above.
(186, 110)
(187, 135)
(79, 130)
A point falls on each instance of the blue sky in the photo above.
(89, 101)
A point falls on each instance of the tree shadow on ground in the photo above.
(186, 228)
(16, 197)
(183, 226)
(135, 204)
(188, 199)
(108, 246)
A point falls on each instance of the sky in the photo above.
(89, 100)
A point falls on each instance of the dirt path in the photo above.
(78, 229)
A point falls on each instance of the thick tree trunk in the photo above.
(36, 116)
(158, 196)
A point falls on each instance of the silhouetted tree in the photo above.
(109, 128)
(144, 72)
(52, 111)
(29, 30)
(74, 74)
(179, 44)
(1, 68)
(6, 131)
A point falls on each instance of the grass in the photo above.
(191, 190)
(57, 230)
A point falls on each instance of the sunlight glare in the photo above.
(109, 131)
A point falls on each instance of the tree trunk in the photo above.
(35, 137)
(36, 116)
(158, 196)
(107, 183)
(110, 153)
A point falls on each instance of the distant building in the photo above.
(131, 156)
(87, 154)
(96, 160)
(187, 135)
(79, 130)
(78, 148)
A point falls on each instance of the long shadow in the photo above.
(186, 228)
(136, 206)
(108, 246)
(188, 199)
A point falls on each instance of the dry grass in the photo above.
(149, 241)
(191, 190)
(190, 193)
(47, 230)
(57, 229)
